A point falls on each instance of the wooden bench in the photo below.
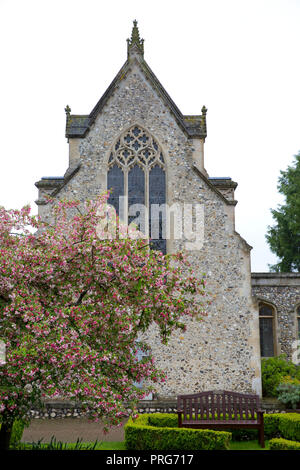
(221, 410)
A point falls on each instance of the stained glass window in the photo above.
(157, 215)
(137, 170)
(136, 195)
(115, 183)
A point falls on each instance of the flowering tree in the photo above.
(72, 305)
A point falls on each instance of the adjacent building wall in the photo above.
(282, 291)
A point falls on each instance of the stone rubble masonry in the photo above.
(221, 351)
(59, 409)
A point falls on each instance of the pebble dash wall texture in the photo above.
(222, 350)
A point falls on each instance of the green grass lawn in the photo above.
(73, 445)
(235, 445)
(247, 445)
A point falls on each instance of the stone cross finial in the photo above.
(68, 110)
(135, 35)
(203, 118)
(135, 43)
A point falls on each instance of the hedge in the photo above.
(285, 425)
(271, 426)
(141, 435)
(283, 444)
(17, 433)
(289, 426)
(171, 420)
(163, 420)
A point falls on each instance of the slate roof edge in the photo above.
(190, 131)
(108, 92)
(57, 184)
(212, 186)
(66, 180)
(223, 182)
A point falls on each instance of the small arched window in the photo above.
(266, 330)
(136, 170)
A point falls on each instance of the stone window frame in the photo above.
(274, 324)
(125, 169)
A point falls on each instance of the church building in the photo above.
(137, 143)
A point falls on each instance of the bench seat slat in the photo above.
(209, 422)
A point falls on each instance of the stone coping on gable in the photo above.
(275, 279)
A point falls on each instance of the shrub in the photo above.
(289, 395)
(283, 444)
(285, 425)
(17, 433)
(271, 425)
(289, 426)
(273, 371)
(171, 420)
(276, 425)
(163, 420)
(290, 380)
(140, 435)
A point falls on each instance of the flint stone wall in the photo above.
(282, 291)
(65, 409)
(221, 351)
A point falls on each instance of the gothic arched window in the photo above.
(136, 169)
(266, 330)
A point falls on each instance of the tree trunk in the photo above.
(5, 435)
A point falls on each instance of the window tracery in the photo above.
(136, 169)
(136, 147)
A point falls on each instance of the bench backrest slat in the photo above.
(235, 407)
(211, 398)
(219, 399)
(196, 408)
(240, 407)
(219, 405)
(246, 401)
(184, 409)
(206, 407)
(191, 408)
(252, 408)
(224, 403)
(201, 404)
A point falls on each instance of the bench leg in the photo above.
(261, 436)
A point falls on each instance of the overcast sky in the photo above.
(239, 58)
